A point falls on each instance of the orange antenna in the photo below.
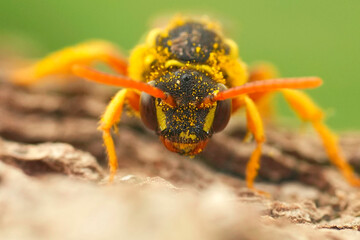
(267, 86)
(121, 81)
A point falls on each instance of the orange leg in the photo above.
(61, 62)
(111, 116)
(74, 60)
(263, 100)
(255, 126)
(262, 71)
(308, 111)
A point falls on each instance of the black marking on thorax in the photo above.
(192, 42)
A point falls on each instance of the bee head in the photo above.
(186, 126)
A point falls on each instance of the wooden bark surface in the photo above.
(53, 166)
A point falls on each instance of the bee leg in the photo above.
(255, 126)
(308, 111)
(111, 116)
(61, 62)
(263, 100)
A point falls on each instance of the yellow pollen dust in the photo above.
(186, 135)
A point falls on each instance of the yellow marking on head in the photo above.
(161, 117)
(186, 147)
(209, 119)
(186, 135)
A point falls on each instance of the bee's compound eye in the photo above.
(148, 111)
(222, 115)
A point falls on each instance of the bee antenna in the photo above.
(120, 81)
(266, 86)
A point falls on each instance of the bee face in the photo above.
(186, 127)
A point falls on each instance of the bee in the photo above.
(185, 81)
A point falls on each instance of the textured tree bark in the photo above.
(305, 188)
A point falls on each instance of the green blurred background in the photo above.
(302, 38)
